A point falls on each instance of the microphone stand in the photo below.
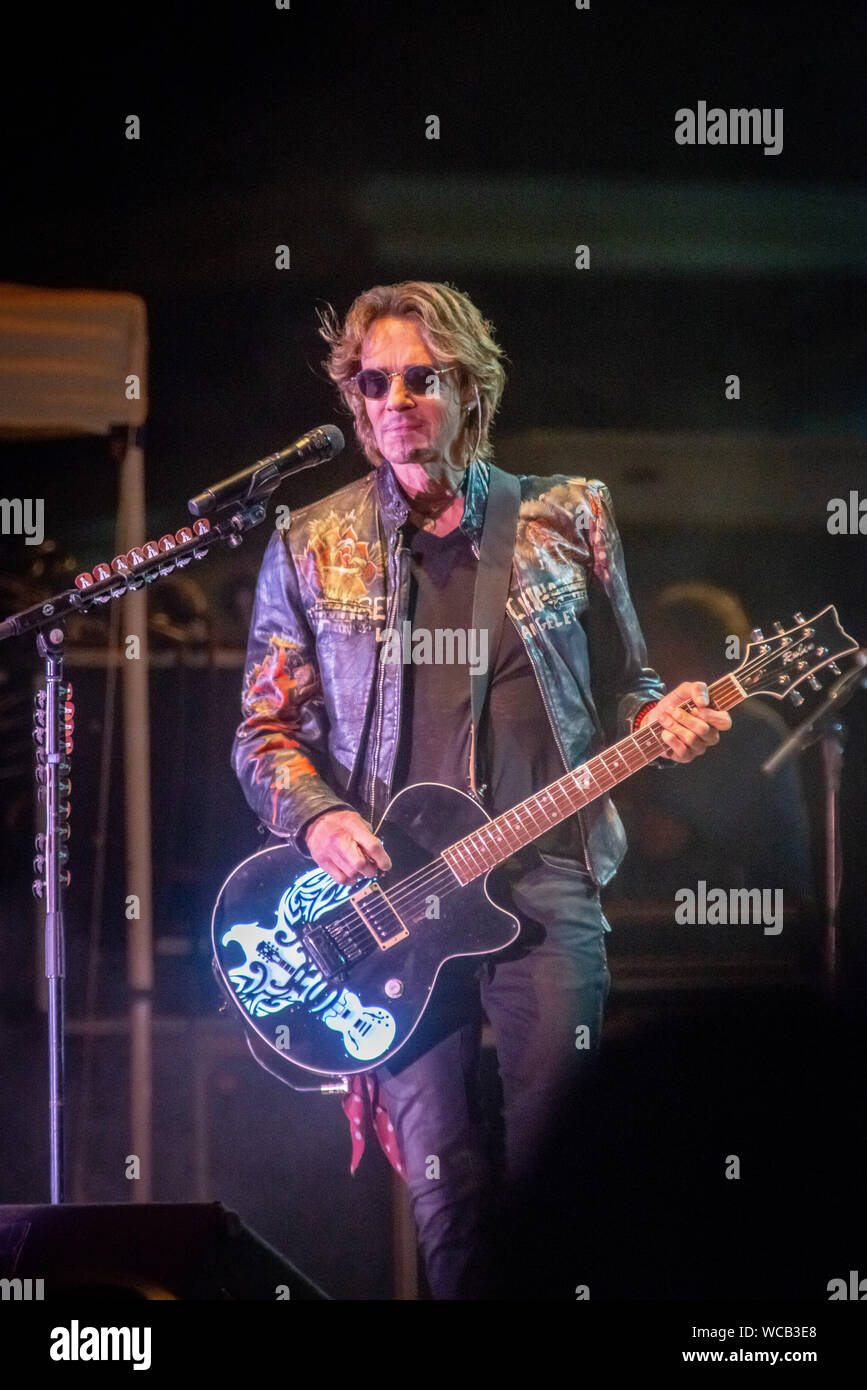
(238, 514)
(52, 733)
(823, 724)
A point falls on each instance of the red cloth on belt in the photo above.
(362, 1103)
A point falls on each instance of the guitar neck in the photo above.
(495, 842)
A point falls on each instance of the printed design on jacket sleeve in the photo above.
(604, 557)
(551, 523)
(337, 565)
(275, 688)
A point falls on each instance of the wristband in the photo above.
(643, 713)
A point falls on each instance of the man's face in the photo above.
(415, 431)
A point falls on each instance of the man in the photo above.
(331, 732)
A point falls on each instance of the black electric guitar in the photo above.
(334, 978)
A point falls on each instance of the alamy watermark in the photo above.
(738, 126)
(22, 1290)
(441, 646)
(23, 516)
(712, 907)
(77, 1343)
(847, 516)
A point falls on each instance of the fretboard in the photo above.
(493, 843)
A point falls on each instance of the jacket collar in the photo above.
(391, 500)
(396, 511)
(478, 481)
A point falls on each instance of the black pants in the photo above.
(544, 997)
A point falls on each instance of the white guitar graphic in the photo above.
(276, 971)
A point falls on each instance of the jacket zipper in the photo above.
(380, 679)
(402, 568)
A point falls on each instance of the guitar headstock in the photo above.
(777, 665)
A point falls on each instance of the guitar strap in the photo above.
(491, 593)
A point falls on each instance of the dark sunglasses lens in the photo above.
(420, 380)
(372, 384)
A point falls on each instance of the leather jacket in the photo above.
(322, 711)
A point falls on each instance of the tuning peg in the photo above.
(813, 683)
(778, 627)
(796, 698)
(799, 617)
(833, 668)
(756, 635)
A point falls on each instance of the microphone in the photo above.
(312, 448)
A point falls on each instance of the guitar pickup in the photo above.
(323, 951)
(375, 909)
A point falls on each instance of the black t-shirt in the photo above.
(519, 755)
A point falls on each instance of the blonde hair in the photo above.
(455, 334)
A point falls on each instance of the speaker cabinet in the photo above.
(158, 1251)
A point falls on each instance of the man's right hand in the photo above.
(343, 844)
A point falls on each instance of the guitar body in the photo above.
(299, 1005)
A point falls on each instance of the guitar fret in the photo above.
(603, 786)
(453, 857)
(461, 851)
(468, 850)
(489, 830)
(633, 751)
(591, 774)
(583, 784)
(487, 853)
(651, 734)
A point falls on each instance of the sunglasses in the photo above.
(374, 384)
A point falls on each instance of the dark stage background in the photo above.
(307, 127)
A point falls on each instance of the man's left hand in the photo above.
(688, 735)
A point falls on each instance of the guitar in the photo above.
(334, 978)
